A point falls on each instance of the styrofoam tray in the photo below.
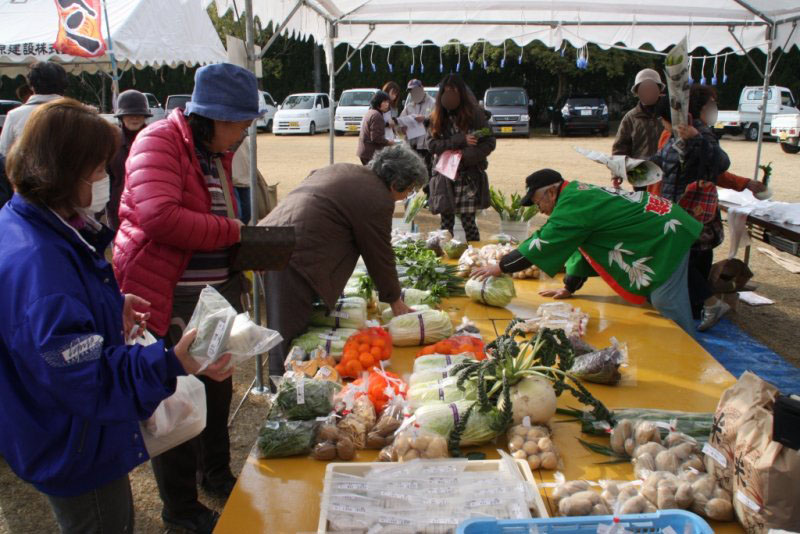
(539, 509)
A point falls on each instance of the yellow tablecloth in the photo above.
(667, 370)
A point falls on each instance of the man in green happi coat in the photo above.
(637, 242)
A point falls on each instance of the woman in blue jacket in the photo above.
(72, 392)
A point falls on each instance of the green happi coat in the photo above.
(633, 240)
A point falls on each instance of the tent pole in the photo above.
(331, 86)
(258, 388)
(764, 99)
(114, 70)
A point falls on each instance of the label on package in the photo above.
(330, 337)
(301, 391)
(747, 501)
(216, 339)
(718, 457)
(339, 314)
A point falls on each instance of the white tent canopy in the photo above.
(602, 22)
(144, 33)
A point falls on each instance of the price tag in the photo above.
(339, 314)
(216, 339)
(301, 391)
(330, 337)
(325, 372)
(718, 457)
(747, 501)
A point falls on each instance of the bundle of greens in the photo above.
(419, 268)
(494, 291)
(637, 174)
(418, 201)
(512, 211)
(300, 397)
(483, 132)
(281, 438)
(331, 340)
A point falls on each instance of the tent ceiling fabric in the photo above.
(144, 33)
(602, 22)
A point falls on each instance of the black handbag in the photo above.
(263, 248)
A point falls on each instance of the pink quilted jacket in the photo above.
(165, 216)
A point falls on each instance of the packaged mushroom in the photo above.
(332, 443)
(533, 444)
(413, 443)
(578, 498)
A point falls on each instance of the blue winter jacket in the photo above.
(71, 392)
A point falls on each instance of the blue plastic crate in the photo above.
(638, 524)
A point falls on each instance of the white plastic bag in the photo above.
(220, 330)
(178, 418)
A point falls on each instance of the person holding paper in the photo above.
(374, 129)
(419, 108)
(460, 140)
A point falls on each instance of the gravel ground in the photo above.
(287, 160)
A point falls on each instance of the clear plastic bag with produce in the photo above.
(300, 397)
(364, 351)
(602, 366)
(439, 362)
(383, 433)
(331, 340)
(579, 498)
(358, 422)
(221, 330)
(420, 328)
(349, 312)
(435, 240)
(454, 248)
(414, 443)
(428, 376)
(279, 438)
(332, 443)
(534, 444)
(493, 291)
(458, 344)
(444, 390)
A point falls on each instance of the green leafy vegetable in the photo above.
(511, 210)
(480, 427)
(443, 390)
(419, 201)
(453, 249)
(281, 438)
(304, 398)
(420, 328)
(483, 132)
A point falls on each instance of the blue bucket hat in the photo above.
(225, 92)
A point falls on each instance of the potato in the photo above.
(545, 444)
(611, 492)
(684, 450)
(684, 495)
(666, 495)
(549, 460)
(520, 455)
(619, 434)
(515, 444)
(601, 508)
(420, 442)
(402, 444)
(629, 446)
(704, 486)
(644, 463)
(324, 451)
(634, 505)
(646, 431)
(328, 433)
(651, 447)
(534, 461)
(375, 441)
(568, 488)
(694, 462)
(667, 461)
(530, 447)
(537, 432)
(592, 496)
(386, 454)
(345, 449)
(575, 506)
(518, 430)
(437, 448)
(412, 454)
(719, 510)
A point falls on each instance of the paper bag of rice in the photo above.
(766, 492)
(749, 392)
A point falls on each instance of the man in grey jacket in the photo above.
(340, 212)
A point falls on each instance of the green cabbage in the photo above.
(350, 312)
(444, 390)
(420, 328)
(426, 376)
(453, 249)
(494, 291)
(439, 362)
(441, 419)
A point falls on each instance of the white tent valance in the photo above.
(143, 33)
(634, 23)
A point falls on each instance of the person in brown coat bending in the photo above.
(339, 212)
(374, 125)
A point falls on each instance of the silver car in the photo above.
(510, 109)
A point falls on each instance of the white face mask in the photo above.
(101, 194)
